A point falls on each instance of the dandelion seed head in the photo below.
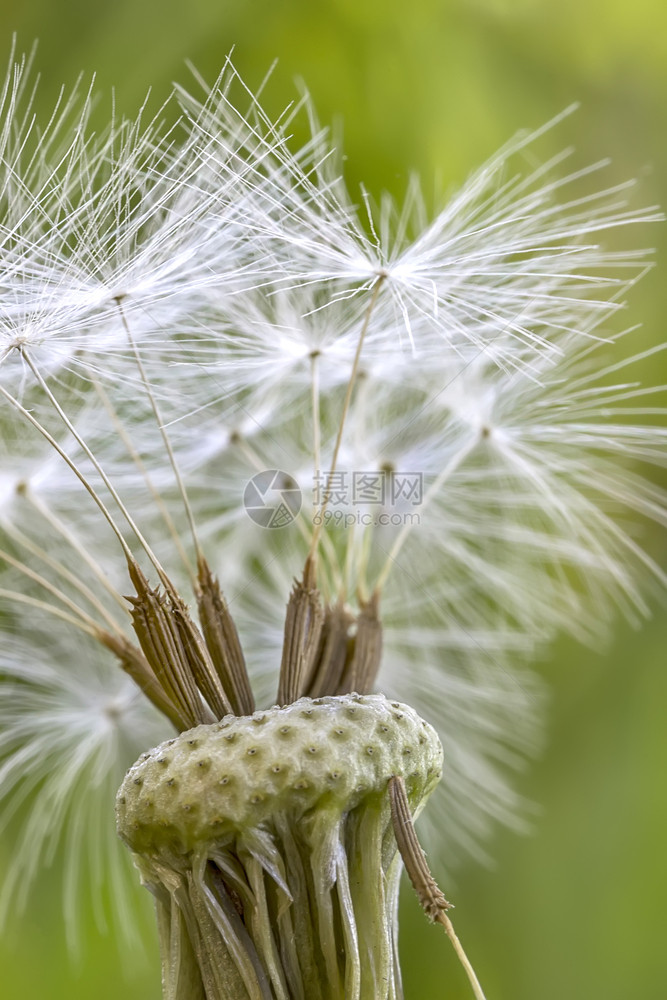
(181, 311)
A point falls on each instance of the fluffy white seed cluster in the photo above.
(181, 308)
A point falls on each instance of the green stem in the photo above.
(268, 843)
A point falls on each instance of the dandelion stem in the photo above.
(248, 452)
(359, 541)
(47, 585)
(332, 556)
(34, 602)
(163, 433)
(65, 573)
(317, 531)
(454, 463)
(428, 892)
(136, 458)
(315, 402)
(105, 479)
(443, 919)
(72, 465)
(74, 542)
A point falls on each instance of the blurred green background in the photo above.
(576, 910)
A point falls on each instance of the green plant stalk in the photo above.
(267, 841)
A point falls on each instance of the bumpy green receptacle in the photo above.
(267, 842)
